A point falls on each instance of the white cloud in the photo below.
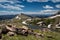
(43, 12)
(40, 12)
(49, 11)
(48, 7)
(37, 0)
(11, 7)
(58, 6)
(10, 1)
(8, 12)
(55, 1)
(3, 0)
(20, 6)
(42, 0)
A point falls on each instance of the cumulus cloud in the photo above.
(37, 0)
(11, 7)
(49, 11)
(48, 7)
(58, 6)
(10, 1)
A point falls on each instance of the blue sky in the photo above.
(29, 6)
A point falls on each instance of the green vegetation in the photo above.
(55, 35)
(48, 21)
(34, 22)
(20, 37)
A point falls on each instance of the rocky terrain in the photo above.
(17, 28)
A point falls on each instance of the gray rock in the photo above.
(10, 33)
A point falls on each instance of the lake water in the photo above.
(34, 26)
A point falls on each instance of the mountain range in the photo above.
(3, 17)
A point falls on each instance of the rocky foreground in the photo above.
(12, 30)
(24, 32)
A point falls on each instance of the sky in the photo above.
(29, 6)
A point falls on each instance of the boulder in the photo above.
(10, 33)
(21, 31)
(30, 31)
(4, 30)
(24, 27)
(10, 28)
